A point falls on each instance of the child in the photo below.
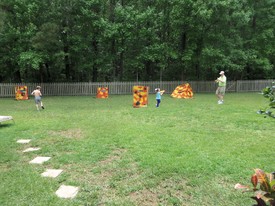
(158, 95)
(37, 97)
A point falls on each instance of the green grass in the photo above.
(187, 152)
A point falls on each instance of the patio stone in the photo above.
(39, 160)
(31, 149)
(51, 173)
(67, 191)
(23, 141)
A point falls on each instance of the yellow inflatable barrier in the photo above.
(183, 91)
(140, 96)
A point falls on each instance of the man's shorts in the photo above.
(220, 91)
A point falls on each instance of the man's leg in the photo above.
(218, 94)
(222, 94)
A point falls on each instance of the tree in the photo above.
(118, 40)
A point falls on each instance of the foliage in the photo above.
(265, 194)
(268, 93)
(118, 40)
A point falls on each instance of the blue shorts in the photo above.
(37, 99)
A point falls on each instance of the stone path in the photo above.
(64, 191)
(32, 149)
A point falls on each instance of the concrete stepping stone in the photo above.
(31, 149)
(51, 173)
(67, 191)
(23, 141)
(39, 160)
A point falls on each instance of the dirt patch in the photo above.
(114, 156)
(168, 192)
(144, 197)
(70, 133)
(117, 180)
(5, 168)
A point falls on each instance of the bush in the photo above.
(265, 195)
(268, 93)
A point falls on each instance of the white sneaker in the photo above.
(220, 102)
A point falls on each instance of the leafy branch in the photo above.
(268, 93)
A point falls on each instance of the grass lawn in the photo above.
(187, 152)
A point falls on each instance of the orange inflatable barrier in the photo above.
(183, 91)
(102, 92)
(21, 93)
(140, 96)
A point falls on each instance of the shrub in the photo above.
(265, 194)
(268, 93)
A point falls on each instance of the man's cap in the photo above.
(222, 72)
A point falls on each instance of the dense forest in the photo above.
(134, 40)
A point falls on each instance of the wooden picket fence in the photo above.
(90, 88)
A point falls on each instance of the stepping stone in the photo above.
(40, 160)
(51, 173)
(67, 191)
(31, 149)
(23, 141)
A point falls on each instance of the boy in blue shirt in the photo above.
(158, 95)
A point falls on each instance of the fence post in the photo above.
(237, 86)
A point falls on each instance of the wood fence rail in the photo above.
(90, 88)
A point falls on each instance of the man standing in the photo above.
(220, 92)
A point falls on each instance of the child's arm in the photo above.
(162, 91)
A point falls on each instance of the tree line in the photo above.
(134, 40)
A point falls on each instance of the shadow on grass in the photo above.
(6, 125)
